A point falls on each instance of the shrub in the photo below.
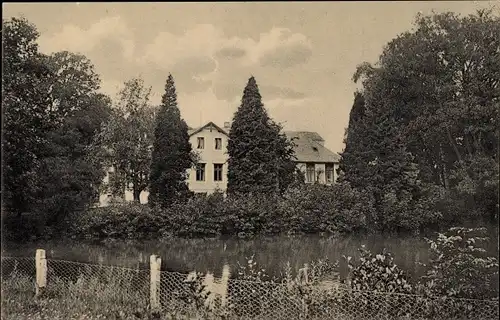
(460, 267)
(354, 210)
(377, 273)
(334, 209)
(126, 221)
(200, 216)
(308, 208)
(252, 214)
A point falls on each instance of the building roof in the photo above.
(309, 147)
(192, 131)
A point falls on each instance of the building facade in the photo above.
(209, 141)
(317, 162)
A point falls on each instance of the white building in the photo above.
(318, 163)
(210, 142)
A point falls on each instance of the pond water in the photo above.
(270, 253)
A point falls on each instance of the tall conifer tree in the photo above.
(260, 157)
(171, 155)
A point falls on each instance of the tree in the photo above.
(172, 153)
(25, 101)
(260, 157)
(53, 116)
(72, 162)
(129, 137)
(355, 145)
(439, 85)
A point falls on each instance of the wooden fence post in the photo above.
(154, 298)
(41, 272)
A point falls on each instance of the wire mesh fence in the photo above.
(233, 298)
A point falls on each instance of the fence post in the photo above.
(154, 298)
(41, 272)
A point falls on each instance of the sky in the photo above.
(302, 54)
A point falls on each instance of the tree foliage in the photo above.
(25, 101)
(460, 266)
(172, 153)
(53, 117)
(129, 137)
(427, 110)
(260, 157)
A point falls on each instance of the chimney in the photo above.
(227, 125)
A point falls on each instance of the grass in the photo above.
(89, 299)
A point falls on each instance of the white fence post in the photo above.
(41, 272)
(154, 298)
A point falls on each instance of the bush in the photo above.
(252, 214)
(460, 266)
(377, 273)
(302, 209)
(200, 216)
(125, 221)
(354, 210)
(308, 208)
(336, 209)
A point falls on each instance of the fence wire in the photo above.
(233, 298)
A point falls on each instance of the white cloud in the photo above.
(275, 39)
(76, 39)
(170, 52)
(206, 40)
(201, 107)
(168, 48)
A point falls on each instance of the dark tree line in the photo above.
(52, 157)
(424, 130)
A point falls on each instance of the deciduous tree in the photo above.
(53, 116)
(129, 138)
(435, 93)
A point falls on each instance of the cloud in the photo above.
(230, 53)
(75, 39)
(201, 59)
(286, 57)
(188, 73)
(227, 91)
(109, 61)
(280, 110)
(201, 107)
(111, 87)
(167, 48)
(208, 40)
(281, 48)
(272, 92)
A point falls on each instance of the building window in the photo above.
(310, 173)
(329, 173)
(200, 172)
(218, 143)
(201, 143)
(218, 172)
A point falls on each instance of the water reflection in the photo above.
(203, 255)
